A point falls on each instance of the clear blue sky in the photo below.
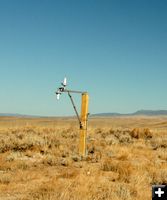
(114, 49)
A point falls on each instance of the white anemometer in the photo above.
(61, 89)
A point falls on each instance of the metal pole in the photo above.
(73, 91)
(80, 123)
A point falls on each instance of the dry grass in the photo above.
(39, 159)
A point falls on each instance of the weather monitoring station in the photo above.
(83, 118)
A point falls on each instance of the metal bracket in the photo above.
(72, 101)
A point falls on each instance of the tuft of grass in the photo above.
(159, 177)
(138, 133)
(5, 179)
(50, 160)
(159, 142)
(124, 169)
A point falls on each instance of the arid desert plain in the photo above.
(39, 158)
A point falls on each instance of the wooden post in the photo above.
(83, 129)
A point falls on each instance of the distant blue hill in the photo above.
(139, 112)
(151, 112)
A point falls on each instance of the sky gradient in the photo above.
(114, 49)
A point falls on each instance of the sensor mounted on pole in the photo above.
(84, 113)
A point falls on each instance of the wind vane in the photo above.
(83, 118)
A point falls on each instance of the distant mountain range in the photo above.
(139, 112)
(109, 114)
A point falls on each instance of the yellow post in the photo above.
(83, 129)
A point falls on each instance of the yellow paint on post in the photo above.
(83, 129)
